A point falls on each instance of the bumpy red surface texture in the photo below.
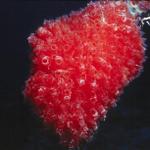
(80, 64)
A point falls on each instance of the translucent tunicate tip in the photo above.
(138, 7)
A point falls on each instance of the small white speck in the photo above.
(41, 89)
(96, 127)
(42, 30)
(148, 23)
(95, 114)
(82, 82)
(115, 28)
(102, 60)
(103, 19)
(104, 118)
(103, 111)
(93, 84)
(117, 92)
(118, 3)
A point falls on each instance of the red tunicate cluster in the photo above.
(80, 64)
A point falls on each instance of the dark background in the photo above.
(127, 127)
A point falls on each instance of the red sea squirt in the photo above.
(80, 65)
